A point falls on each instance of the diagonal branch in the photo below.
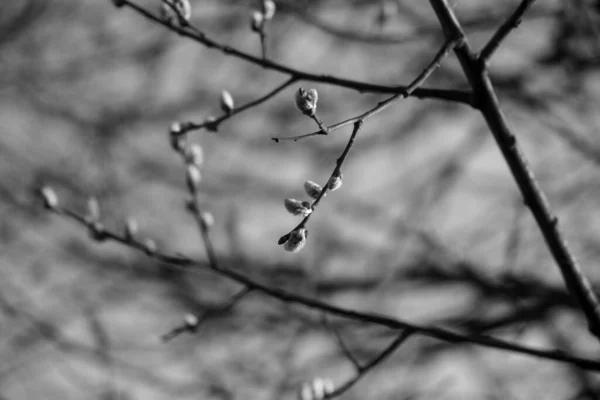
(504, 30)
(412, 87)
(362, 371)
(195, 34)
(373, 318)
(487, 103)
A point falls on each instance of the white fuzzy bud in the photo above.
(297, 207)
(335, 181)
(312, 189)
(227, 104)
(150, 247)
(256, 22)
(194, 155)
(306, 101)
(318, 389)
(49, 197)
(296, 240)
(191, 321)
(268, 9)
(131, 229)
(193, 177)
(176, 10)
(207, 219)
(93, 210)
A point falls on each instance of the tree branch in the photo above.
(487, 103)
(503, 31)
(195, 34)
(312, 303)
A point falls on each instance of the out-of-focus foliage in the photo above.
(428, 225)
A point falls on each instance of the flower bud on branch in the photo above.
(49, 197)
(318, 389)
(312, 189)
(335, 181)
(268, 9)
(227, 104)
(131, 229)
(257, 21)
(193, 177)
(297, 207)
(296, 240)
(306, 101)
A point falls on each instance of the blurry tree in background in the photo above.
(438, 270)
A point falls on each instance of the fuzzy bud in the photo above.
(176, 10)
(93, 210)
(306, 101)
(193, 177)
(296, 240)
(318, 389)
(335, 181)
(207, 219)
(191, 322)
(194, 155)
(256, 23)
(150, 247)
(177, 137)
(49, 197)
(131, 229)
(268, 9)
(297, 207)
(227, 104)
(312, 189)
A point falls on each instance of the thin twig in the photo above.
(373, 318)
(487, 103)
(195, 34)
(201, 318)
(358, 121)
(342, 345)
(504, 30)
(382, 105)
(388, 351)
(214, 124)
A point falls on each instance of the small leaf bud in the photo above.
(306, 101)
(207, 219)
(312, 189)
(194, 155)
(256, 23)
(150, 247)
(296, 241)
(131, 229)
(335, 181)
(93, 210)
(227, 104)
(297, 207)
(49, 197)
(191, 322)
(268, 9)
(193, 177)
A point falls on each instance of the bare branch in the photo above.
(413, 86)
(487, 103)
(373, 318)
(504, 30)
(388, 351)
(195, 34)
